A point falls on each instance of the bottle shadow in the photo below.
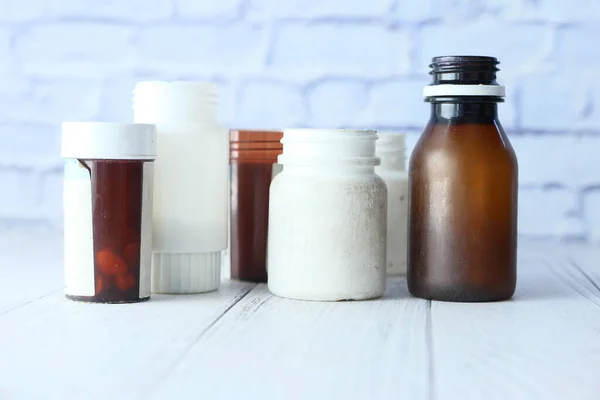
(531, 286)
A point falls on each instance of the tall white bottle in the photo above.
(191, 184)
(390, 148)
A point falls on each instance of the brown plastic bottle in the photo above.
(108, 210)
(253, 159)
(463, 182)
(117, 224)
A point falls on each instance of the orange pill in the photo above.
(110, 263)
(131, 254)
(99, 284)
(125, 282)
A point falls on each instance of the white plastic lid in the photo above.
(175, 102)
(464, 90)
(108, 141)
(348, 146)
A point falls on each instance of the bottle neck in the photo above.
(464, 112)
(330, 169)
(329, 148)
(156, 102)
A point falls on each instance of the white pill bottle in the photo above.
(191, 184)
(390, 148)
(327, 217)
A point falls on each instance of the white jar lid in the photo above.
(108, 141)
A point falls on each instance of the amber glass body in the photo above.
(463, 205)
(252, 157)
(117, 222)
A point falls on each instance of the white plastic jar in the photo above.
(327, 217)
(191, 184)
(390, 148)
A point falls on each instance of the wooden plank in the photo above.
(272, 348)
(586, 258)
(53, 348)
(581, 272)
(30, 267)
(543, 344)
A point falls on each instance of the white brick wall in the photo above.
(332, 63)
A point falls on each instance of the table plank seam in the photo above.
(586, 275)
(154, 388)
(221, 315)
(28, 302)
(568, 278)
(431, 395)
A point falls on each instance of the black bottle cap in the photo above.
(464, 76)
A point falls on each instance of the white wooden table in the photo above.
(243, 343)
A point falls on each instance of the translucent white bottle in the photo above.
(191, 184)
(327, 217)
(390, 148)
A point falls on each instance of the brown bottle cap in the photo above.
(255, 145)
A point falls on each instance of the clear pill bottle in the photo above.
(327, 217)
(191, 192)
(390, 148)
(107, 197)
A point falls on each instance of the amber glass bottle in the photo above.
(463, 183)
(253, 159)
